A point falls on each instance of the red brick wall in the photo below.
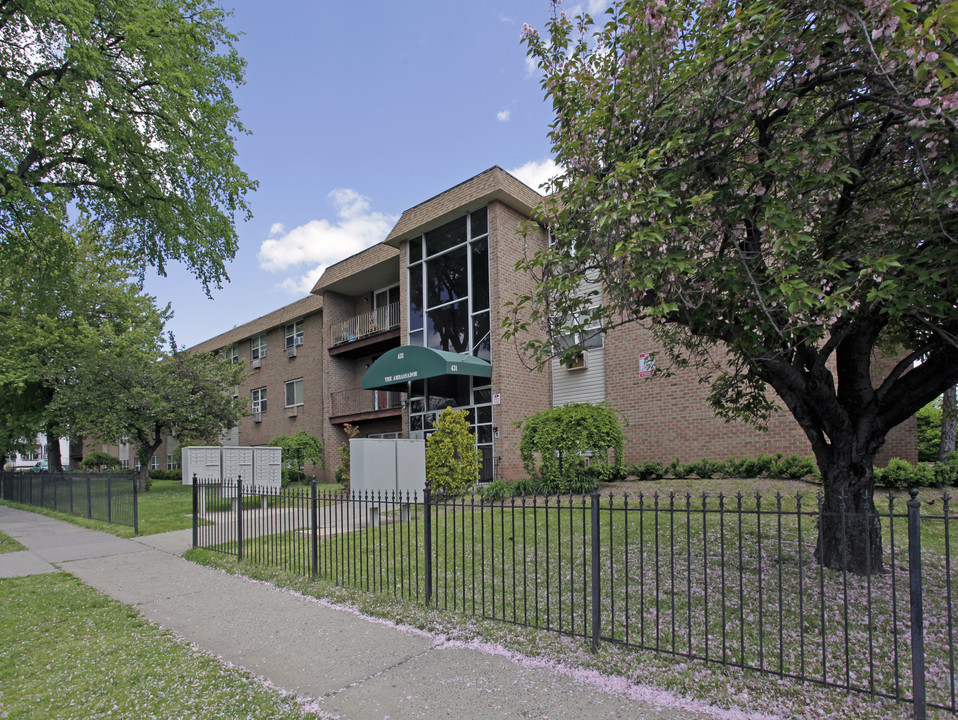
(276, 370)
(523, 391)
(670, 417)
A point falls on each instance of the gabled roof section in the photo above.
(476, 192)
(374, 267)
(294, 311)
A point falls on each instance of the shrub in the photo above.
(581, 485)
(793, 467)
(764, 465)
(342, 470)
(705, 469)
(523, 486)
(291, 476)
(929, 432)
(496, 490)
(742, 467)
(561, 437)
(452, 458)
(298, 450)
(165, 474)
(946, 473)
(897, 475)
(98, 460)
(649, 470)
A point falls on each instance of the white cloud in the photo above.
(321, 243)
(503, 115)
(536, 172)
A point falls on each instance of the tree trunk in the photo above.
(54, 461)
(849, 526)
(146, 452)
(949, 415)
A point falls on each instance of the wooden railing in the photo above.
(370, 323)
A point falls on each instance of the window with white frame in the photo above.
(154, 463)
(258, 400)
(234, 353)
(294, 392)
(294, 334)
(171, 463)
(125, 464)
(258, 347)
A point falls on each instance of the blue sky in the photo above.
(358, 112)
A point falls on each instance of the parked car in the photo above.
(40, 467)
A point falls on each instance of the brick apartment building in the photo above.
(392, 335)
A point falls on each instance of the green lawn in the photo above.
(66, 651)
(8, 544)
(717, 580)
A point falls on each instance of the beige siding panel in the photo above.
(584, 386)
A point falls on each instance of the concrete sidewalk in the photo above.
(355, 667)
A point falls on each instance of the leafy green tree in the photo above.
(555, 442)
(452, 458)
(123, 110)
(770, 183)
(65, 302)
(183, 394)
(300, 449)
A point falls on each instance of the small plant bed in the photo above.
(66, 651)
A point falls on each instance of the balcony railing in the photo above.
(369, 323)
(357, 401)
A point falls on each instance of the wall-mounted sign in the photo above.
(496, 398)
(646, 364)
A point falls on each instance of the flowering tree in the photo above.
(770, 182)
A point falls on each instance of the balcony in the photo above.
(366, 329)
(358, 404)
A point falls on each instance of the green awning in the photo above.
(413, 362)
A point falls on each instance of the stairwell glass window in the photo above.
(294, 334)
(258, 347)
(294, 393)
(448, 271)
(258, 400)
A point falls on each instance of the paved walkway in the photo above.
(355, 667)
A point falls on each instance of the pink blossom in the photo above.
(922, 102)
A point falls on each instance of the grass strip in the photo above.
(67, 651)
(8, 544)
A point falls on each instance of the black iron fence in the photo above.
(110, 497)
(729, 580)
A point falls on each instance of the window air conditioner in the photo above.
(297, 340)
(257, 364)
(292, 411)
(257, 417)
(291, 351)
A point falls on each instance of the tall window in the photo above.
(294, 334)
(258, 400)
(233, 354)
(258, 347)
(294, 392)
(449, 310)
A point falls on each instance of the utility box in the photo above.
(267, 467)
(206, 462)
(385, 474)
(387, 465)
(260, 466)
